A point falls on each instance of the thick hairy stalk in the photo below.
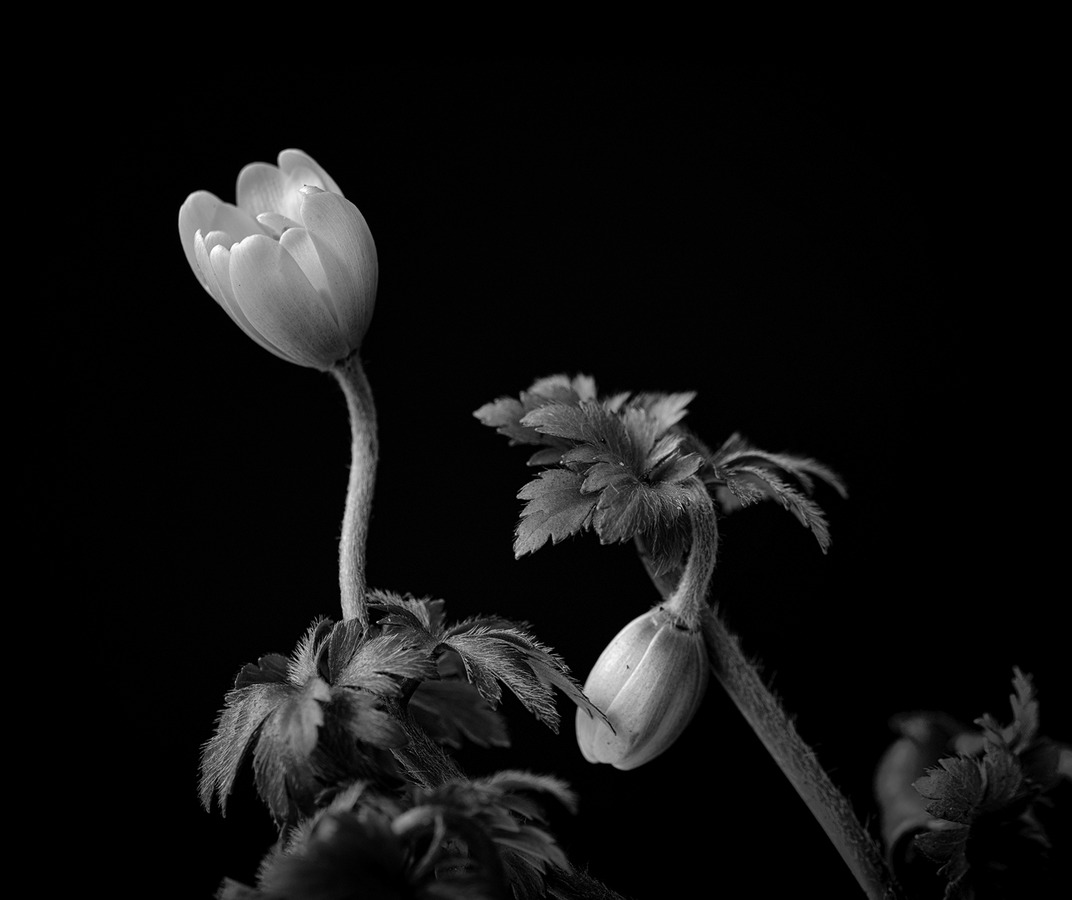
(363, 455)
(764, 713)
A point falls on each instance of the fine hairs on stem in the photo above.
(364, 451)
(686, 590)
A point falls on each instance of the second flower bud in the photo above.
(649, 682)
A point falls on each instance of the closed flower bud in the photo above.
(293, 264)
(649, 682)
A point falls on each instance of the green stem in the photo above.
(363, 455)
(764, 713)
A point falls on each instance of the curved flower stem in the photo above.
(688, 598)
(764, 713)
(363, 454)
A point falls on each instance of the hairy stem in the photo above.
(798, 762)
(689, 598)
(363, 454)
(763, 711)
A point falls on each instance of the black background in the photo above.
(842, 261)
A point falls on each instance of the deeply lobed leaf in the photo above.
(556, 509)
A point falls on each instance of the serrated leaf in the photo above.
(409, 616)
(512, 781)
(806, 511)
(953, 789)
(452, 712)
(1003, 780)
(269, 669)
(548, 457)
(304, 662)
(528, 668)
(1025, 708)
(737, 452)
(581, 456)
(561, 388)
(663, 449)
(556, 509)
(300, 719)
(284, 744)
(504, 415)
(615, 402)
(362, 717)
(676, 468)
(945, 844)
(622, 512)
(583, 422)
(589, 423)
(642, 430)
(245, 710)
(380, 663)
(666, 410)
(606, 474)
(631, 508)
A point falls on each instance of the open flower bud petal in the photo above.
(220, 260)
(205, 212)
(299, 166)
(282, 305)
(275, 224)
(649, 681)
(264, 188)
(347, 253)
(298, 242)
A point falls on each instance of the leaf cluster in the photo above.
(625, 467)
(986, 835)
(484, 838)
(349, 704)
(617, 465)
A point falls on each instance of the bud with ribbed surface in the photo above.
(649, 681)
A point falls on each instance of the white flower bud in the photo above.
(649, 682)
(293, 264)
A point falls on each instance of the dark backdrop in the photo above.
(840, 260)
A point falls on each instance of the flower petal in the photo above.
(202, 250)
(206, 212)
(299, 244)
(264, 188)
(282, 305)
(298, 165)
(195, 214)
(275, 224)
(347, 252)
(212, 257)
(220, 261)
(261, 188)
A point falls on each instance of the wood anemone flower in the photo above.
(293, 264)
